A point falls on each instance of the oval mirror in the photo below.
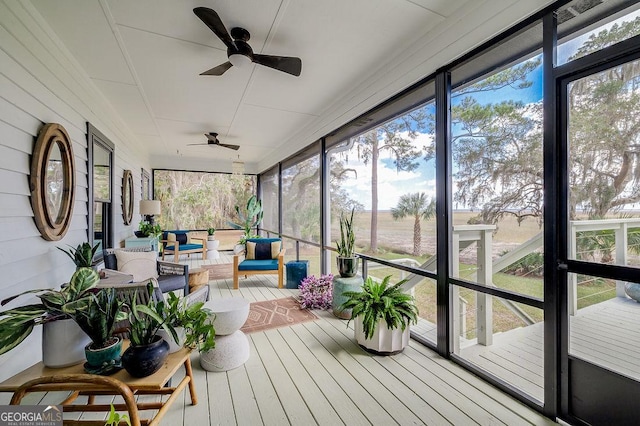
(127, 197)
(52, 182)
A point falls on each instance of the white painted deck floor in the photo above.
(315, 373)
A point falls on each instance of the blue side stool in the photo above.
(297, 270)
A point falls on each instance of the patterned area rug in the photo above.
(276, 313)
(219, 271)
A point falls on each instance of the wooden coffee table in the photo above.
(39, 378)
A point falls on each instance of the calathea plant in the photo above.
(16, 324)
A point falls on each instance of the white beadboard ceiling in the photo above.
(145, 56)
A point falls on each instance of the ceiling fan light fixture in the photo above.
(239, 60)
(237, 168)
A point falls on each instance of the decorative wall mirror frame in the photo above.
(146, 185)
(127, 197)
(52, 181)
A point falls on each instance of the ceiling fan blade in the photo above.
(213, 21)
(219, 70)
(286, 64)
(226, 145)
(196, 144)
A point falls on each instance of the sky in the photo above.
(392, 183)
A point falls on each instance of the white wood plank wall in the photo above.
(41, 83)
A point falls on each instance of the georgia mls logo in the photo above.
(30, 415)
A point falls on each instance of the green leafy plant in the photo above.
(149, 230)
(114, 418)
(99, 317)
(16, 324)
(249, 217)
(82, 255)
(196, 320)
(346, 245)
(380, 301)
(146, 319)
(211, 231)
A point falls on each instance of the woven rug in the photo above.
(219, 271)
(276, 313)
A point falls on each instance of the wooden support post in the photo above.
(454, 295)
(484, 302)
(621, 255)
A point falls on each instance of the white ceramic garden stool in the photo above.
(232, 346)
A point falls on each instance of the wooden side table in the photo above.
(39, 378)
(197, 278)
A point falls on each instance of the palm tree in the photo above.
(417, 205)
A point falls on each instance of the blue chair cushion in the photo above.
(186, 247)
(258, 265)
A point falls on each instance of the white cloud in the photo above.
(391, 182)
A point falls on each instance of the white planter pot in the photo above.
(173, 346)
(63, 343)
(213, 245)
(384, 341)
(238, 248)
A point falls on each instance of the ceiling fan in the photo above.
(238, 50)
(212, 139)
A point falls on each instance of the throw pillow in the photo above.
(263, 251)
(142, 265)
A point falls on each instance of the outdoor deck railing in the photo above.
(465, 236)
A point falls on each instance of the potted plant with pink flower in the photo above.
(316, 293)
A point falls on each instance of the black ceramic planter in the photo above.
(143, 361)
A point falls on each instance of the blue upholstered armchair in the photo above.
(182, 242)
(261, 256)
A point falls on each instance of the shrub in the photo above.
(316, 293)
(530, 265)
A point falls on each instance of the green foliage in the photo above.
(498, 146)
(16, 324)
(249, 217)
(82, 255)
(196, 320)
(99, 316)
(146, 319)
(114, 418)
(211, 231)
(347, 243)
(379, 301)
(530, 265)
(198, 200)
(149, 230)
(418, 206)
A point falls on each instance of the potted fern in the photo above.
(347, 260)
(382, 314)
